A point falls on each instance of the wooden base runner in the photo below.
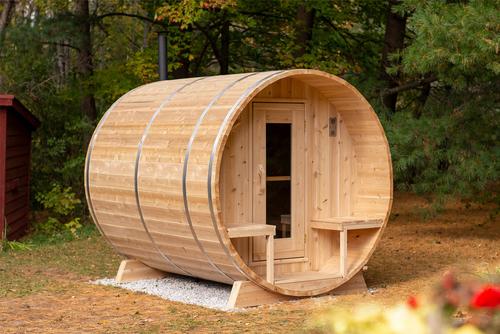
(246, 293)
(133, 270)
(243, 294)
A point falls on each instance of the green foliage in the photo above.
(61, 203)
(65, 235)
(452, 150)
(6, 245)
(14, 245)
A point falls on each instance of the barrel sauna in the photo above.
(281, 179)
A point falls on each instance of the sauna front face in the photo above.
(196, 176)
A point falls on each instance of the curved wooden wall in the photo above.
(154, 162)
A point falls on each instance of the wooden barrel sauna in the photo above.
(189, 177)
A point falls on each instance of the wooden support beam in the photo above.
(270, 258)
(255, 230)
(343, 253)
(248, 294)
(356, 284)
(133, 270)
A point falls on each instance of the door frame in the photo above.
(294, 114)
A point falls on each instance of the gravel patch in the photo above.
(181, 289)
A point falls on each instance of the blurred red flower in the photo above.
(487, 297)
(412, 301)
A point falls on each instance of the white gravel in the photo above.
(181, 289)
(191, 291)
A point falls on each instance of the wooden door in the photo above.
(279, 177)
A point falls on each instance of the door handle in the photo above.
(262, 177)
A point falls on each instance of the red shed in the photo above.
(16, 125)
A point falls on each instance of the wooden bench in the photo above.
(344, 224)
(257, 230)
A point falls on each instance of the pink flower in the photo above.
(487, 297)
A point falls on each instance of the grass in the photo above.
(53, 276)
(32, 271)
(51, 280)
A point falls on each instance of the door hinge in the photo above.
(304, 125)
(333, 127)
(304, 238)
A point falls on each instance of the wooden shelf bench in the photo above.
(344, 224)
(257, 230)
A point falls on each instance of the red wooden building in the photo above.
(16, 125)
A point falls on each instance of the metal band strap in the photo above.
(210, 167)
(136, 172)
(87, 172)
(186, 159)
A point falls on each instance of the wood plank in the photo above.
(270, 257)
(161, 169)
(250, 230)
(258, 196)
(304, 277)
(133, 270)
(19, 202)
(17, 227)
(279, 100)
(15, 215)
(278, 178)
(13, 195)
(17, 183)
(355, 285)
(18, 151)
(18, 161)
(247, 294)
(346, 223)
(298, 231)
(18, 140)
(343, 253)
(200, 268)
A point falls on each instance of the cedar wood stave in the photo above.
(197, 244)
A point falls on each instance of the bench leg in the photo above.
(343, 253)
(270, 259)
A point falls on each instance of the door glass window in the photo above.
(278, 180)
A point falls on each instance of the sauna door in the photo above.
(278, 177)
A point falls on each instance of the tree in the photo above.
(451, 147)
(395, 29)
(8, 6)
(84, 62)
(305, 22)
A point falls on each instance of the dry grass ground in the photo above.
(46, 290)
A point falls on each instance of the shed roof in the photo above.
(11, 102)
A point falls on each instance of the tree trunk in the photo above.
(147, 31)
(8, 7)
(305, 22)
(422, 99)
(393, 41)
(182, 71)
(224, 48)
(84, 59)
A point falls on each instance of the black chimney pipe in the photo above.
(162, 55)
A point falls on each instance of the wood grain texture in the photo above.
(133, 270)
(347, 175)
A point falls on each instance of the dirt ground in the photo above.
(410, 259)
